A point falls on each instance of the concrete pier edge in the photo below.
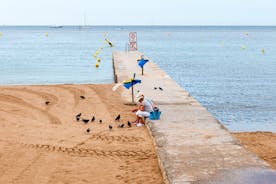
(192, 146)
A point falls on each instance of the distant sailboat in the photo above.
(84, 25)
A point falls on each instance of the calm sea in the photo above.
(230, 70)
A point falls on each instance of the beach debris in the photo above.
(263, 51)
(110, 127)
(85, 120)
(47, 103)
(161, 89)
(100, 121)
(82, 97)
(121, 126)
(128, 124)
(78, 116)
(118, 118)
(93, 118)
(88, 130)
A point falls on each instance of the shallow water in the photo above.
(222, 67)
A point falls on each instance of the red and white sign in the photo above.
(133, 41)
(133, 46)
(132, 37)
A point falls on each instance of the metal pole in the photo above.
(142, 70)
(132, 93)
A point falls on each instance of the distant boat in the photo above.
(84, 25)
(56, 27)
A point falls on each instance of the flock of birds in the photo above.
(93, 119)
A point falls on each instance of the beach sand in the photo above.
(261, 143)
(42, 143)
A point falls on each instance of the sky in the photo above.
(139, 12)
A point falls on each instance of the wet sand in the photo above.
(261, 143)
(42, 143)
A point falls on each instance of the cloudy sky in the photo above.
(138, 12)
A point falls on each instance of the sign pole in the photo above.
(132, 94)
(142, 70)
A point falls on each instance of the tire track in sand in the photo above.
(18, 101)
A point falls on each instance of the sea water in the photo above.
(230, 70)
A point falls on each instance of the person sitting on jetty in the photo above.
(145, 107)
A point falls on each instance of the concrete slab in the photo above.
(193, 146)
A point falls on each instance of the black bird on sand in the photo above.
(82, 97)
(118, 118)
(161, 88)
(47, 103)
(128, 124)
(93, 119)
(121, 126)
(88, 130)
(78, 116)
(85, 120)
(100, 121)
(110, 127)
(155, 88)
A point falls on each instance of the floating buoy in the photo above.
(97, 65)
(109, 42)
(263, 51)
(1, 34)
(243, 47)
(99, 59)
(247, 34)
(46, 34)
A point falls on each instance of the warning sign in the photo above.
(133, 41)
(133, 46)
(132, 37)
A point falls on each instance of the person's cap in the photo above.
(139, 96)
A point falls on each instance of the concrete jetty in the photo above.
(192, 146)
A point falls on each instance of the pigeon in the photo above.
(161, 88)
(47, 102)
(85, 120)
(78, 116)
(118, 118)
(100, 121)
(128, 124)
(110, 127)
(88, 130)
(93, 119)
(121, 126)
(155, 88)
(82, 97)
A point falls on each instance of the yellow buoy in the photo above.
(46, 34)
(247, 34)
(1, 34)
(263, 51)
(99, 59)
(97, 65)
(243, 47)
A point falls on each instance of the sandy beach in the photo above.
(261, 143)
(45, 144)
